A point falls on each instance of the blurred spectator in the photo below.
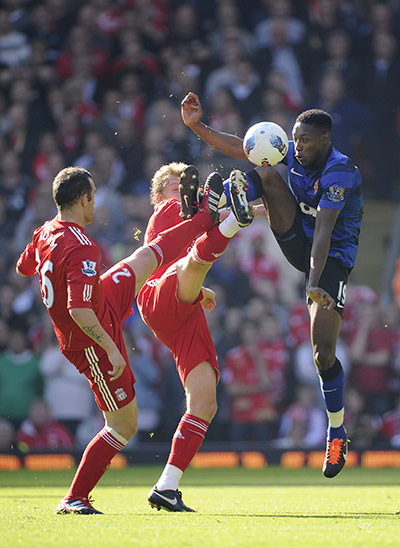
(222, 109)
(40, 431)
(47, 148)
(15, 184)
(7, 434)
(134, 58)
(236, 284)
(20, 136)
(371, 352)
(339, 59)
(220, 77)
(380, 89)
(248, 376)
(287, 59)
(258, 265)
(361, 423)
(303, 425)
(278, 12)
(79, 43)
(396, 284)
(391, 425)
(14, 45)
(148, 377)
(20, 379)
(246, 89)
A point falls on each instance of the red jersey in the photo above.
(67, 261)
(241, 369)
(165, 216)
(51, 436)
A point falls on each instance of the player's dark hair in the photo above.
(69, 185)
(317, 118)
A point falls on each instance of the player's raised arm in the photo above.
(226, 143)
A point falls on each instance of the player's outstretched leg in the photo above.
(335, 456)
(167, 499)
(76, 506)
(189, 191)
(241, 208)
(213, 190)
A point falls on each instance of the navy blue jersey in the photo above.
(337, 185)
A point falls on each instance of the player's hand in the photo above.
(208, 300)
(191, 110)
(321, 297)
(118, 363)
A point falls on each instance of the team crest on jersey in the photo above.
(316, 186)
(121, 394)
(89, 268)
(335, 193)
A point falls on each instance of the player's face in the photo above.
(310, 145)
(89, 209)
(171, 188)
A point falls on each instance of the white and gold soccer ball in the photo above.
(265, 144)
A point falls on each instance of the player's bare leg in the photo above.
(124, 420)
(279, 202)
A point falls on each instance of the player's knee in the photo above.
(127, 429)
(212, 409)
(324, 357)
(205, 409)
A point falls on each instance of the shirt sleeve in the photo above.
(26, 263)
(337, 188)
(82, 276)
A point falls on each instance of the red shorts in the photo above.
(119, 290)
(180, 326)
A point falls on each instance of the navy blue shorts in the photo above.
(297, 250)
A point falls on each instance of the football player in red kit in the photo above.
(171, 303)
(87, 310)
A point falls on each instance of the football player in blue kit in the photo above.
(316, 219)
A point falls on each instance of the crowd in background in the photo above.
(98, 84)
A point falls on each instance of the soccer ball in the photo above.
(265, 144)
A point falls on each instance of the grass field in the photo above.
(236, 507)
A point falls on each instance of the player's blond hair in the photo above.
(160, 179)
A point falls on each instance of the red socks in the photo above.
(210, 246)
(187, 440)
(95, 461)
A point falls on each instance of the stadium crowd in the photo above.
(98, 84)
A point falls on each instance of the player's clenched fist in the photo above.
(191, 109)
